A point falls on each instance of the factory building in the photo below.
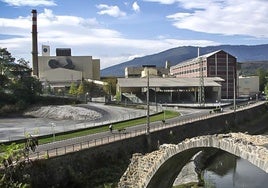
(248, 86)
(215, 64)
(63, 69)
(166, 89)
(136, 72)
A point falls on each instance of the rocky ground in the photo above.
(64, 112)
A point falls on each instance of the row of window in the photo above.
(188, 64)
(190, 71)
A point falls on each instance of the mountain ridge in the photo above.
(243, 53)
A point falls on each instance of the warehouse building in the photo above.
(167, 89)
(215, 64)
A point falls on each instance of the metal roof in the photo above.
(168, 82)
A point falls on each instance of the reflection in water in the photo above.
(227, 171)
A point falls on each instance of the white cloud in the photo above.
(30, 2)
(110, 10)
(85, 36)
(227, 17)
(163, 1)
(136, 7)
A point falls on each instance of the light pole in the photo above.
(53, 131)
(165, 112)
(234, 85)
(86, 97)
(148, 105)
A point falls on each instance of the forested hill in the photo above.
(243, 53)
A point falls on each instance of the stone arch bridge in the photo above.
(151, 169)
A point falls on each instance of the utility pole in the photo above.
(148, 105)
(234, 77)
(201, 92)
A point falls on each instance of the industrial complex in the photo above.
(207, 78)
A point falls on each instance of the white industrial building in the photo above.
(248, 86)
(63, 69)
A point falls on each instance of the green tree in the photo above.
(15, 158)
(23, 62)
(26, 89)
(17, 87)
(3, 82)
(110, 88)
(266, 90)
(73, 89)
(81, 89)
(5, 58)
(88, 86)
(262, 77)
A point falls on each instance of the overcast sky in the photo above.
(117, 31)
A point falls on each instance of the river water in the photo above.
(229, 171)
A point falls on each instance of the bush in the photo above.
(6, 109)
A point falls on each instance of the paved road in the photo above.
(105, 137)
(16, 128)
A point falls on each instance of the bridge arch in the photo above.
(149, 170)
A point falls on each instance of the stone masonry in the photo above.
(143, 167)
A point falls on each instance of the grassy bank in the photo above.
(116, 126)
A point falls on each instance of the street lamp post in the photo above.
(234, 86)
(148, 105)
(165, 112)
(53, 131)
(86, 97)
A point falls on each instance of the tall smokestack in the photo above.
(34, 43)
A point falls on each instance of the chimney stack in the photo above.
(34, 43)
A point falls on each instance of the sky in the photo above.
(116, 31)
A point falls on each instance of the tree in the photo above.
(73, 89)
(26, 89)
(81, 90)
(17, 87)
(3, 81)
(5, 58)
(23, 62)
(15, 158)
(262, 77)
(266, 90)
(110, 88)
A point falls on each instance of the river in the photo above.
(229, 171)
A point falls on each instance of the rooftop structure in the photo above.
(136, 72)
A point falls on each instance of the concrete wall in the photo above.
(60, 75)
(89, 67)
(96, 69)
(85, 167)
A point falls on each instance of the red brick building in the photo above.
(215, 64)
